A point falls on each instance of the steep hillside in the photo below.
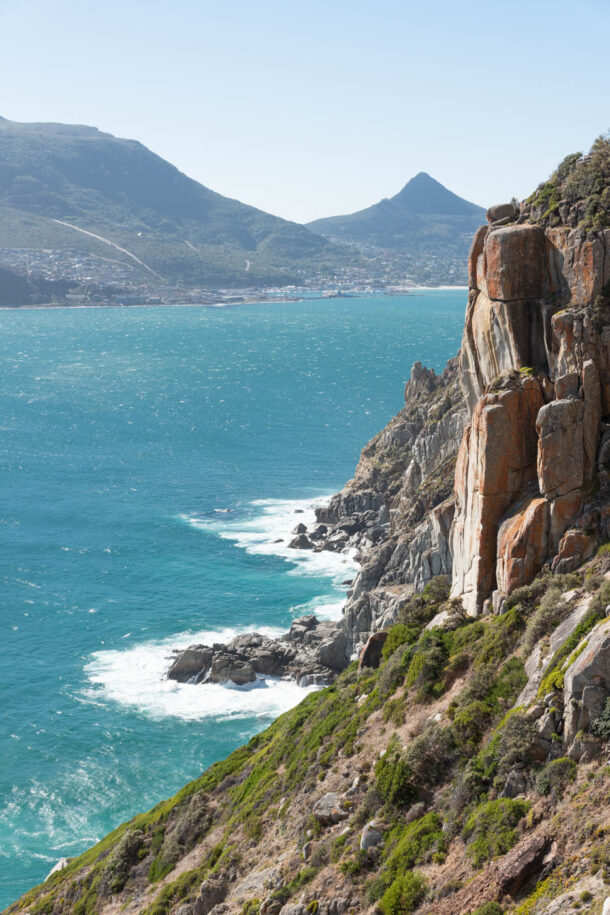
(424, 220)
(60, 182)
(461, 766)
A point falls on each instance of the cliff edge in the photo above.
(461, 766)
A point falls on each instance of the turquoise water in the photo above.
(126, 434)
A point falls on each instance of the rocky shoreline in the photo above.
(313, 651)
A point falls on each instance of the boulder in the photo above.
(494, 466)
(515, 263)
(271, 906)
(211, 892)
(300, 529)
(370, 656)
(227, 667)
(574, 548)
(522, 864)
(515, 784)
(332, 651)
(522, 544)
(606, 908)
(370, 837)
(501, 211)
(301, 542)
(415, 811)
(190, 663)
(328, 811)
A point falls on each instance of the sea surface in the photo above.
(150, 458)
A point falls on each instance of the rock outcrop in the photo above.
(529, 468)
(311, 652)
(587, 684)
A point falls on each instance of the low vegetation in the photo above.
(437, 786)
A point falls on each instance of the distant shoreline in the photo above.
(274, 301)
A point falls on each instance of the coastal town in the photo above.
(84, 278)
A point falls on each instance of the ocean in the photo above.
(151, 460)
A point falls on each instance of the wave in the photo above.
(136, 678)
(266, 530)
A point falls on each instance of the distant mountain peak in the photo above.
(424, 194)
(424, 220)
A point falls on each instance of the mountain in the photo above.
(461, 766)
(424, 220)
(74, 188)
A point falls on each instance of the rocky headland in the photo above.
(462, 767)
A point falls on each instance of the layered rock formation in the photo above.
(534, 366)
(531, 478)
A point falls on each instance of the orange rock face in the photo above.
(522, 545)
(496, 461)
(575, 547)
(561, 447)
(515, 263)
(577, 264)
(536, 302)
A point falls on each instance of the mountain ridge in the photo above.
(424, 220)
(120, 190)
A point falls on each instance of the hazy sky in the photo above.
(310, 109)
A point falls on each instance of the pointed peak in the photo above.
(424, 194)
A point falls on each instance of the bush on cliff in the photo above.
(556, 775)
(491, 829)
(404, 895)
(399, 634)
(393, 776)
(601, 725)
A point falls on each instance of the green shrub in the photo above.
(427, 664)
(125, 854)
(550, 612)
(491, 831)
(404, 895)
(394, 710)
(414, 844)
(393, 671)
(500, 637)
(556, 775)
(469, 723)
(489, 908)
(430, 755)
(515, 745)
(399, 634)
(421, 608)
(601, 725)
(393, 776)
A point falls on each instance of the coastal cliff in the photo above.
(461, 766)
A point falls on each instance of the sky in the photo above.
(311, 109)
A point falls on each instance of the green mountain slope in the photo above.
(424, 219)
(59, 182)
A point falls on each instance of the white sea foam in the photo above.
(268, 530)
(136, 677)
